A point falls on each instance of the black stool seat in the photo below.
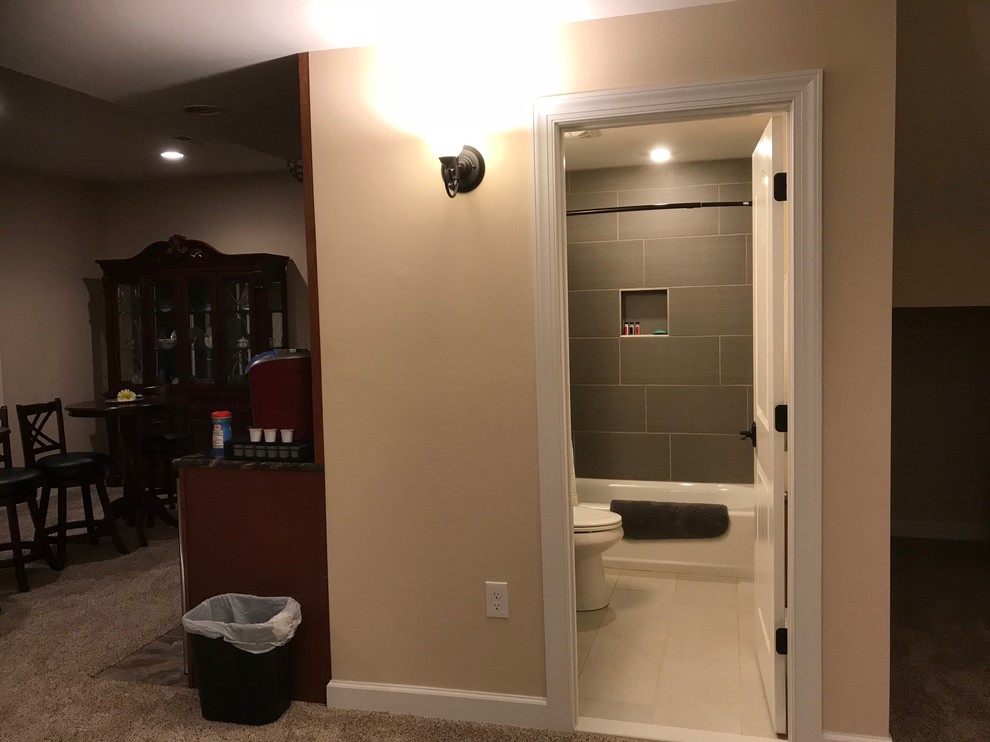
(17, 480)
(72, 465)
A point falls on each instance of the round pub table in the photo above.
(138, 502)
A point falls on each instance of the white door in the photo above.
(769, 390)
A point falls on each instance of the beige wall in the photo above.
(429, 408)
(941, 223)
(262, 212)
(941, 219)
(49, 232)
(427, 334)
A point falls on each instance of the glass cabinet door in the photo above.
(237, 323)
(276, 312)
(129, 333)
(200, 298)
(165, 331)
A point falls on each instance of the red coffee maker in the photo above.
(281, 383)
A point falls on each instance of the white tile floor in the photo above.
(673, 650)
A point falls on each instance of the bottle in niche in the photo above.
(637, 329)
(625, 328)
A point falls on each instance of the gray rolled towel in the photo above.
(643, 519)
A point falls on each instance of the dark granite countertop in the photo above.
(206, 461)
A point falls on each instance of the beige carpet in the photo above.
(103, 607)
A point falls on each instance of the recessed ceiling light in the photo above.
(202, 109)
(660, 154)
(171, 154)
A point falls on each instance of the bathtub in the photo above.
(730, 555)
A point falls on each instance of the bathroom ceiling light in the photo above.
(462, 173)
(660, 154)
(171, 154)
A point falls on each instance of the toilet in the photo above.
(595, 530)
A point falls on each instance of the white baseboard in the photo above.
(940, 530)
(440, 703)
(675, 734)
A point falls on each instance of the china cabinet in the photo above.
(182, 313)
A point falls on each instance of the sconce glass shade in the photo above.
(462, 173)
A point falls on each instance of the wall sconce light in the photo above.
(462, 173)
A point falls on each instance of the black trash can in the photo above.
(242, 656)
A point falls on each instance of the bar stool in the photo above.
(162, 440)
(61, 470)
(19, 486)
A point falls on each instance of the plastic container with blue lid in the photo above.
(222, 433)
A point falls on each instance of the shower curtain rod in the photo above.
(657, 207)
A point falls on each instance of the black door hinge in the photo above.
(780, 418)
(780, 186)
(781, 641)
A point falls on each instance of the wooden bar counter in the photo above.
(259, 527)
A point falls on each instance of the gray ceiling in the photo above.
(93, 89)
(59, 131)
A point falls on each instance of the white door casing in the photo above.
(799, 96)
(769, 372)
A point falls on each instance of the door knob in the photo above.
(751, 434)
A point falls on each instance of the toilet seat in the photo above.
(593, 520)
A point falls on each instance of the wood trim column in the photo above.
(306, 132)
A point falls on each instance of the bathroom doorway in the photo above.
(795, 98)
(661, 335)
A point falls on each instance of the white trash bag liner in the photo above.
(249, 622)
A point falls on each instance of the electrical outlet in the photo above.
(497, 599)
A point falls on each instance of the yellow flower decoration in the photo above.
(126, 395)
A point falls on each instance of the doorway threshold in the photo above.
(639, 730)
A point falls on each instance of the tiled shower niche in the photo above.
(664, 407)
(647, 308)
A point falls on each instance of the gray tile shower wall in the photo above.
(637, 455)
(716, 260)
(663, 407)
(711, 310)
(595, 361)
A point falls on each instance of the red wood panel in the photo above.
(263, 533)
